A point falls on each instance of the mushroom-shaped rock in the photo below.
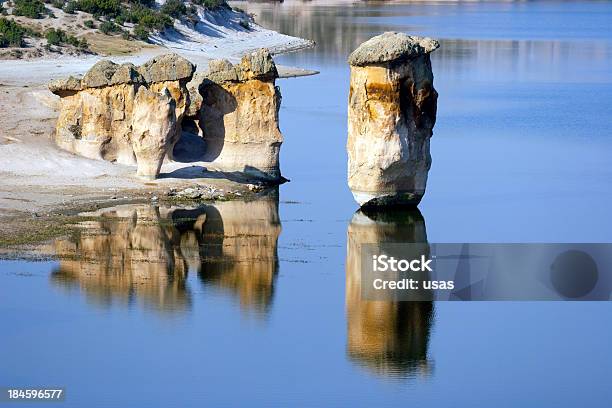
(154, 125)
(236, 110)
(97, 116)
(391, 115)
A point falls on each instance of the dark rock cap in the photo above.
(65, 85)
(391, 46)
(221, 71)
(258, 64)
(99, 75)
(167, 67)
(126, 74)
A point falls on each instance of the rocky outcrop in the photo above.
(392, 111)
(388, 337)
(235, 108)
(121, 113)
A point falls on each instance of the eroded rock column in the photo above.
(236, 109)
(391, 114)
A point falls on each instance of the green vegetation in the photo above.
(174, 8)
(11, 33)
(211, 4)
(71, 7)
(143, 14)
(29, 8)
(109, 8)
(59, 37)
(141, 33)
(108, 27)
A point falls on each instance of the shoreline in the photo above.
(38, 177)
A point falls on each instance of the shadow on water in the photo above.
(142, 254)
(390, 338)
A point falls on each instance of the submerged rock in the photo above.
(100, 119)
(236, 109)
(392, 111)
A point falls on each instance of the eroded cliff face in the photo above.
(100, 113)
(390, 338)
(236, 109)
(391, 115)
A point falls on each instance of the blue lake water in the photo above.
(249, 304)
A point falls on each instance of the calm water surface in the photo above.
(254, 303)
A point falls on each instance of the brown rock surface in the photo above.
(97, 119)
(236, 108)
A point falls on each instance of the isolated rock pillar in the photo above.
(391, 114)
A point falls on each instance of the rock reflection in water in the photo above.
(238, 250)
(125, 254)
(142, 253)
(388, 337)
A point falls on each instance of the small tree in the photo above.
(174, 8)
(11, 33)
(141, 32)
(29, 8)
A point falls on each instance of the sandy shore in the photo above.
(37, 177)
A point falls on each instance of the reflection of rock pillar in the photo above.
(236, 108)
(391, 338)
(238, 250)
(127, 253)
(392, 111)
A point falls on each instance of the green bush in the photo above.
(54, 37)
(60, 37)
(150, 19)
(58, 4)
(147, 3)
(211, 4)
(174, 8)
(109, 8)
(71, 7)
(141, 32)
(108, 27)
(29, 8)
(11, 33)
(89, 23)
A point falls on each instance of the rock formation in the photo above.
(235, 108)
(102, 114)
(388, 337)
(392, 111)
